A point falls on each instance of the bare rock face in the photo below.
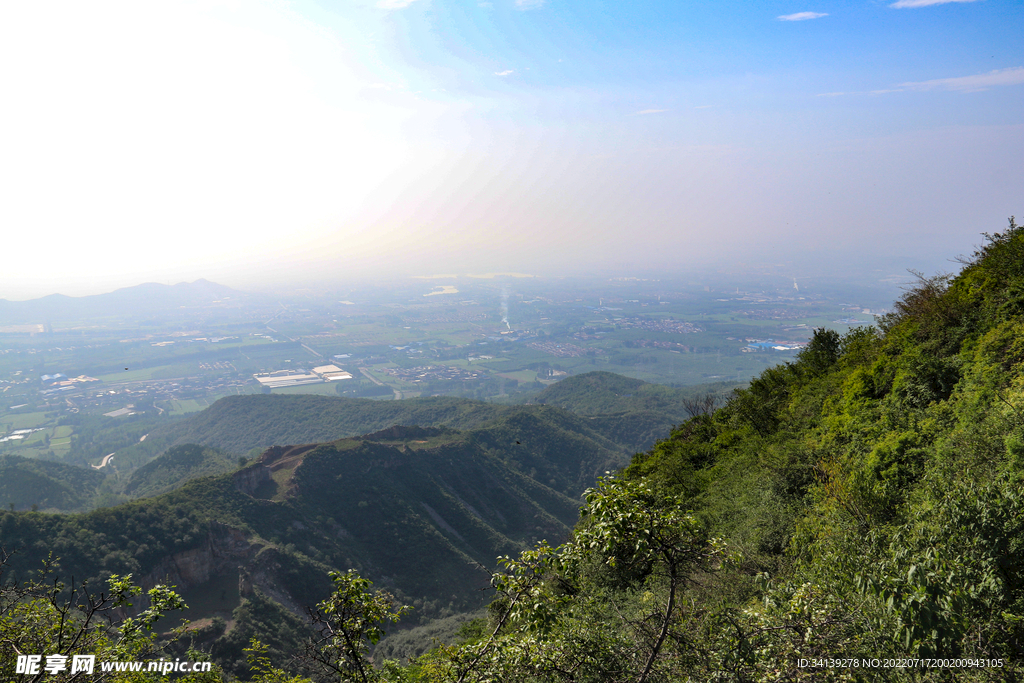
(245, 588)
(264, 572)
(223, 550)
(249, 479)
(226, 551)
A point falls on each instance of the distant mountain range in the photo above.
(145, 298)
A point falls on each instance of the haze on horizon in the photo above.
(256, 143)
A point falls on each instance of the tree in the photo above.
(606, 606)
(346, 624)
(262, 670)
(46, 617)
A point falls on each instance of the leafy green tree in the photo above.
(606, 606)
(347, 624)
(261, 668)
(50, 618)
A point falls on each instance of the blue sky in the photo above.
(260, 143)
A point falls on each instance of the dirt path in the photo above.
(106, 460)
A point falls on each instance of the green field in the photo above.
(131, 375)
(521, 375)
(61, 447)
(23, 420)
(186, 405)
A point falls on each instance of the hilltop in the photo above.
(629, 410)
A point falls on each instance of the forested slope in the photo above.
(422, 511)
(175, 467)
(630, 411)
(862, 502)
(26, 482)
(564, 450)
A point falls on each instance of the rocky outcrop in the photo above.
(264, 572)
(223, 550)
(244, 583)
(249, 479)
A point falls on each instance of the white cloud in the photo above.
(802, 16)
(651, 111)
(505, 72)
(1011, 76)
(394, 4)
(529, 4)
(903, 4)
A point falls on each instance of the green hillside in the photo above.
(606, 393)
(422, 511)
(175, 467)
(563, 449)
(30, 483)
(631, 411)
(47, 485)
(566, 450)
(591, 393)
(865, 501)
(241, 423)
(623, 414)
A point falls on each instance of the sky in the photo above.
(263, 143)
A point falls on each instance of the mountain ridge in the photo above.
(142, 299)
